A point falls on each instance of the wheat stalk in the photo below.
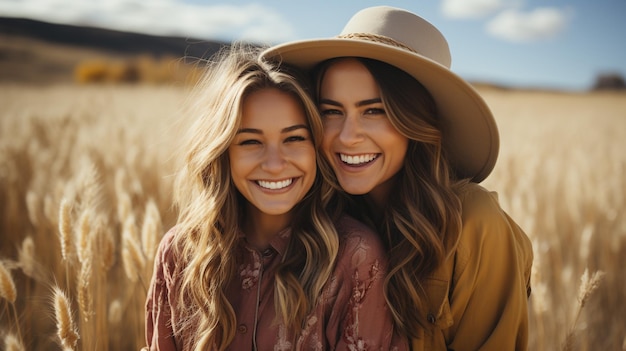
(7, 285)
(90, 184)
(32, 205)
(83, 236)
(9, 293)
(132, 256)
(588, 284)
(150, 230)
(124, 206)
(66, 329)
(65, 228)
(49, 210)
(107, 252)
(27, 260)
(13, 343)
(119, 178)
(115, 312)
(85, 302)
(27, 256)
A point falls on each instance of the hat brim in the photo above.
(470, 133)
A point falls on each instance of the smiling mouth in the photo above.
(357, 160)
(272, 185)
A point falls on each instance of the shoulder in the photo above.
(478, 203)
(358, 243)
(166, 253)
(350, 229)
(482, 216)
(167, 241)
(487, 230)
(481, 289)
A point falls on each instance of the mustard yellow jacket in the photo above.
(479, 297)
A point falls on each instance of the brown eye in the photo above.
(249, 142)
(375, 111)
(330, 112)
(295, 138)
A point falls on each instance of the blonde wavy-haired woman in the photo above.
(254, 262)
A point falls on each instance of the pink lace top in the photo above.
(351, 315)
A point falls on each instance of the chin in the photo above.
(356, 190)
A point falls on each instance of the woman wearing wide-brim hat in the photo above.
(409, 141)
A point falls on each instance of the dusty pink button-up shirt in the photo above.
(351, 315)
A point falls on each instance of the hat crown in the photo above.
(403, 27)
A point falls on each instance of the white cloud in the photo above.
(162, 17)
(517, 26)
(472, 8)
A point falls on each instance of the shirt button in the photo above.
(242, 328)
(431, 318)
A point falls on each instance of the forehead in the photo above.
(270, 107)
(350, 78)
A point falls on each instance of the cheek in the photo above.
(332, 126)
(388, 135)
(301, 155)
(329, 134)
(234, 160)
(326, 149)
(235, 175)
(398, 146)
(239, 167)
(309, 159)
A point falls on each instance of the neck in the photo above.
(377, 200)
(379, 196)
(375, 211)
(260, 228)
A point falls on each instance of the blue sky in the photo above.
(525, 43)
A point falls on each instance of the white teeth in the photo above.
(358, 159)
(275, 185)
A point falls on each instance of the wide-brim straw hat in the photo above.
(409, 42)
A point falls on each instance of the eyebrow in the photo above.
(358, 104)
(284, 130)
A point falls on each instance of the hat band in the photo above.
(377, 39)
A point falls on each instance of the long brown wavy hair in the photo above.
(211, 211)
(423, 217)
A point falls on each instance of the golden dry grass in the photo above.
(85, 194)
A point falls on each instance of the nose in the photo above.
(273, 159)
(351, 130)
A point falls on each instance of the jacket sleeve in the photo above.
(159, 331)
(363, 320)
(490, 285)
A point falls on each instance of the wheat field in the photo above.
(85, 195)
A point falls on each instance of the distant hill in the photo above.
(39, 52)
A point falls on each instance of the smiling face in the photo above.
(272, 158)
(363, 147)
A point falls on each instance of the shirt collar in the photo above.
(279, 242)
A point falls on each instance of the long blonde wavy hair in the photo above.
(211, 211)
(423, 217)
